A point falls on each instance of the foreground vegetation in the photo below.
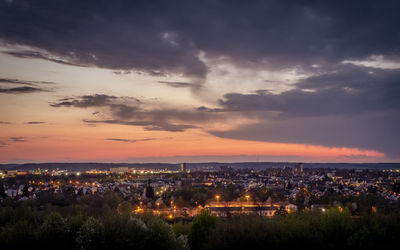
(104, 224)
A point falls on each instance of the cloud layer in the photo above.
(129, 111)
(27, 86)
(348, 54)
(18, 139)
(160, 36)
(348, 106)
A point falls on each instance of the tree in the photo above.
(149, 192)
(25, 190)
(300, 199)
(230, 193)
(202, 227)
(262, 194)
(91, 234)
(160, 235)
(2, 191)
(125, 208)
(53, 231)
(112, 199)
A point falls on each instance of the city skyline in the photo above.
(187, 81)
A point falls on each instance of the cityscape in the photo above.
(222, 190)
(187, 195)
(199, 125)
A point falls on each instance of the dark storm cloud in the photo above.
(157, 73)
(38, 55)
(147, 125)
(21, 90)
(167, 37)
(124, 140)
(339, 105)
(133, 140)
(373, 131)
(116, 36)
(122, 72)
(23, 82)
(164, 126)
(131, 111)
(178, 84)
(346, 89)
(347, 106)
(34, 123)
(86, 101)
(30, 86)
(123, 111)
(18, 139)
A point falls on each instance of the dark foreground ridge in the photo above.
(83, 227)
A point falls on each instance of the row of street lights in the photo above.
(217, 197)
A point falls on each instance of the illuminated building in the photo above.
(183, 167)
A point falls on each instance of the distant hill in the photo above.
(261, 165)
(194, 166)
(85, 166)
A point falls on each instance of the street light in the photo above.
(217, 197)
(247, 197)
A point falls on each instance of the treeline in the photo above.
(109, 224)
(82, 232)
(330, 230)
(92, 222)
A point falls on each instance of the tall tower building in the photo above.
(298, 169)
(183, 167)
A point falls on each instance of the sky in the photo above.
(198, 81)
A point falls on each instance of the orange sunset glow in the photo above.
(144, 87)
